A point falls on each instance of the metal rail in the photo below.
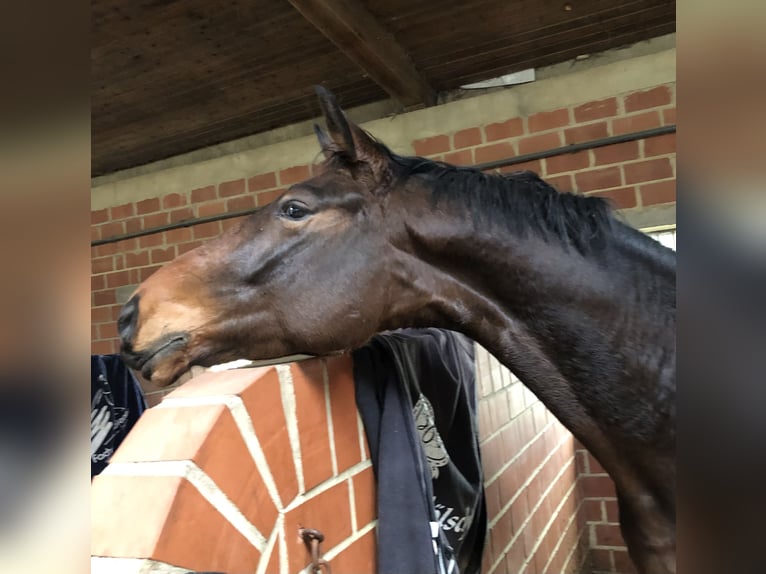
(574, 148)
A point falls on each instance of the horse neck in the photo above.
(590, 333)
(513, 291)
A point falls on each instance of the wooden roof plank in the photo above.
(357, 33)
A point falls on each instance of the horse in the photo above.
(577, 304)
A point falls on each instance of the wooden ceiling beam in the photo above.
(356, 32)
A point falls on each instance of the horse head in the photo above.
(308, 273)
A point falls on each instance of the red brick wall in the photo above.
(534, 503)
(608, 552)
(633, 174)
(175, 477)
(223, 473)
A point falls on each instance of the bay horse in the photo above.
(580, 306)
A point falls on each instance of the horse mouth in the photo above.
(150, 363)
(168, 362)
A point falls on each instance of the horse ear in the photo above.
(337, 124)
(344, 135)
(327, 145)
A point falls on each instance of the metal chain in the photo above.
(313, 538)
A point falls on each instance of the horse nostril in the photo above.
(126, 323)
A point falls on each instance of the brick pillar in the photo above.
(221, 474)
(607, 547)
(534, 504)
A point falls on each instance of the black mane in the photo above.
(520, 201)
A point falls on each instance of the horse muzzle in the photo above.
(145, 360)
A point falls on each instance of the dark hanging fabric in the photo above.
(116, 402)
(415, 390)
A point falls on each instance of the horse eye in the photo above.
(294, 210)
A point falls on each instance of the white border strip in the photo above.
(362, 436)
(328, 484)
(291, 417)
(244, 423)
(330, 427)
(284, 563)
(202, 482)
(271, 546)
(352, 504)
